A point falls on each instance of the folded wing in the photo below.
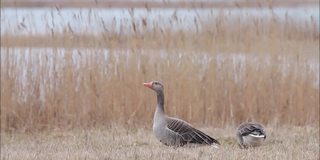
(188, 133)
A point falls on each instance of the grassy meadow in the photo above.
(69, 95)
(118, 143)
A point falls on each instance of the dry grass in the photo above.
(211, 33)
(43, 90)
(89, 102)
(119, 143)
(82, 87)
(154, 4)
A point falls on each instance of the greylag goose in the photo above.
(250, 134)
(172, 131)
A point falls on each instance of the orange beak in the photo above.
(149, 84)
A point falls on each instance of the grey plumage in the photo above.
(188, 133)
(172, 131)
(250, 134)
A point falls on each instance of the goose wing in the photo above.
(188, 133)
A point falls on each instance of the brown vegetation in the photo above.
(117, 143)
(213, 33)
(46, 88)
(85, 92)
(154, 4)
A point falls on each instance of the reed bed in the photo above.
(217, 30)
(216, 76)
(88, 88)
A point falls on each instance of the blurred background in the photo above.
(78, 64)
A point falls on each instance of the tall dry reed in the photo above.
(81, 88)
(69, 85)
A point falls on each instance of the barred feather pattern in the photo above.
(188, 133)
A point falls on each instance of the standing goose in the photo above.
(250, 134)
(172, 131)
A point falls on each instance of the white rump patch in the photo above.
(256, 136)
(215, 146)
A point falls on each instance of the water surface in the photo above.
(96, 20)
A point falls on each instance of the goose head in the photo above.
(154, 85)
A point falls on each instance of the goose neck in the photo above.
(160, 101)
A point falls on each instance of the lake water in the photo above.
(36, 21)
(96, 20)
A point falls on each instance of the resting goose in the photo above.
(250, 134)
(173, 131)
